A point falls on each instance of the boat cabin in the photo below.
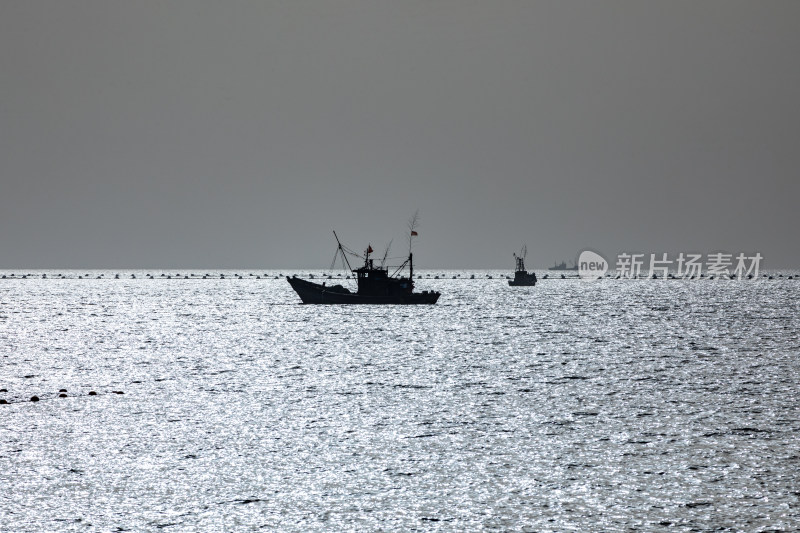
(377, 282)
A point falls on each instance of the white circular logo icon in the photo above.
(591, 265)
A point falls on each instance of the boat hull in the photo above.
(315, 293)
(523, 279)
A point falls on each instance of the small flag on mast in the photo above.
(414, 233)
(369, 249)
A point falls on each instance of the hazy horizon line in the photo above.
(255, 269)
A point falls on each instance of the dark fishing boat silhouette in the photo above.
(522, 278)
(375, 284)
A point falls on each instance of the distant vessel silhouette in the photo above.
(375, 284)
(563, 266)
(522, 277)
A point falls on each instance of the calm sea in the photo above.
(570, 406)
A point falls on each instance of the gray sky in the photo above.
(199, 134)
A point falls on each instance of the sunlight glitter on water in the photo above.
(567, 406)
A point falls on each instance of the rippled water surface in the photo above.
(612, 405)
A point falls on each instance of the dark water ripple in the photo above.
(639, 405)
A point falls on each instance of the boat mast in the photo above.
(344, 255)
(412, 232)
(367, 261)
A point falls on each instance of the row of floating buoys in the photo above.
(151, 276)
(420, 276)
(607, 276)
(62, 393)
(168, 276)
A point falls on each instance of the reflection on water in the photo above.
(609, 405)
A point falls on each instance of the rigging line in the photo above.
(344, 257)
(400, 268)
(386, 253)
(351, 252)
(335, 257)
